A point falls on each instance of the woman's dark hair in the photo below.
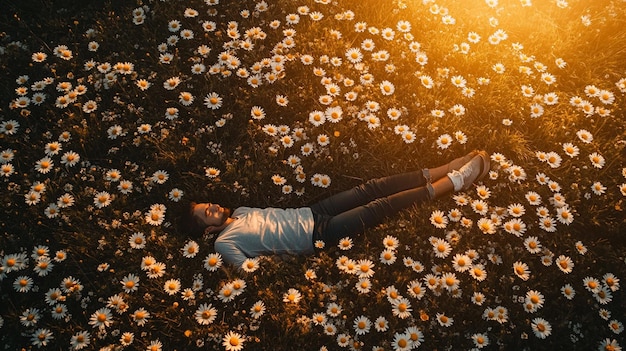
(188, 224)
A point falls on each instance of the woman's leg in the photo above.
(358, 219)
(382, 187)
(368, 192)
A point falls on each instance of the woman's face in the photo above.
(208, 214)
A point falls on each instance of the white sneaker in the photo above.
(473, 170)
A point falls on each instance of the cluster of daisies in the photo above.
(256, 57)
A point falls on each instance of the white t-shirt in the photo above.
(258, 232)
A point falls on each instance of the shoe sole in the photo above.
(486, 164)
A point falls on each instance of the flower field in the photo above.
(115, 114)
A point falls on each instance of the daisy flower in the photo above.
(130, 283)
(606, 97)
(213, 262)
(102, 199)
(416, 266)
(611, 281)
(213, 101)
(584, 136)
(392, 294)
(44, 165)
(115, 131)
(564, 215)
(521, 270)
(444, 320)
(362, 325)
(140, 316)
(43, 266)
(23, 284)
(597, 160)
(345, 243)
(212, 172)
(391, 242)
(460, 137)
(257, 309)
(30, 317)
(486, 226)
(388, 256)
(205, 314)
(609, 344)
(438, 219)
(227, 293)
(113, 175)
(401, 308)
(175, 194)
(528, 91)
(310, 274)
(373, 121)
(143, 84)
(516, 210)
(551, 98)
(80, 340)
(191, 249)
(415, 289)
(333, 309)
(441, 248)
(365, 268)
(536, 110)
(160, 177)
(444, 141)
(565, 264)
(307, 149)
(483, 192)
(171, 83)
(535, 299)
(461, 262)
(387, 88)
(427, 82)
(541, 328)
(333, 114)
(547, 224)
(330, 329)
(532, 245)
(292, 296)
(6, 156)
(125, 187)
(548, 78)
(450, 281)
(250, 265)
(354, 55)
(52, 148)
(155, 345)
(41, 336)
(90, 106)
(533, 198)
(499, 68)
(421, 58)
(478, 298)
(479, 206)
(32, 198)
(101, 318)
(458, 110)
(480, 340)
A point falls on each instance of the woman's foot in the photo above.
(458, 162)
(477, 168)
(433, 174)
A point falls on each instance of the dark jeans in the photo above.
(350, 212)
